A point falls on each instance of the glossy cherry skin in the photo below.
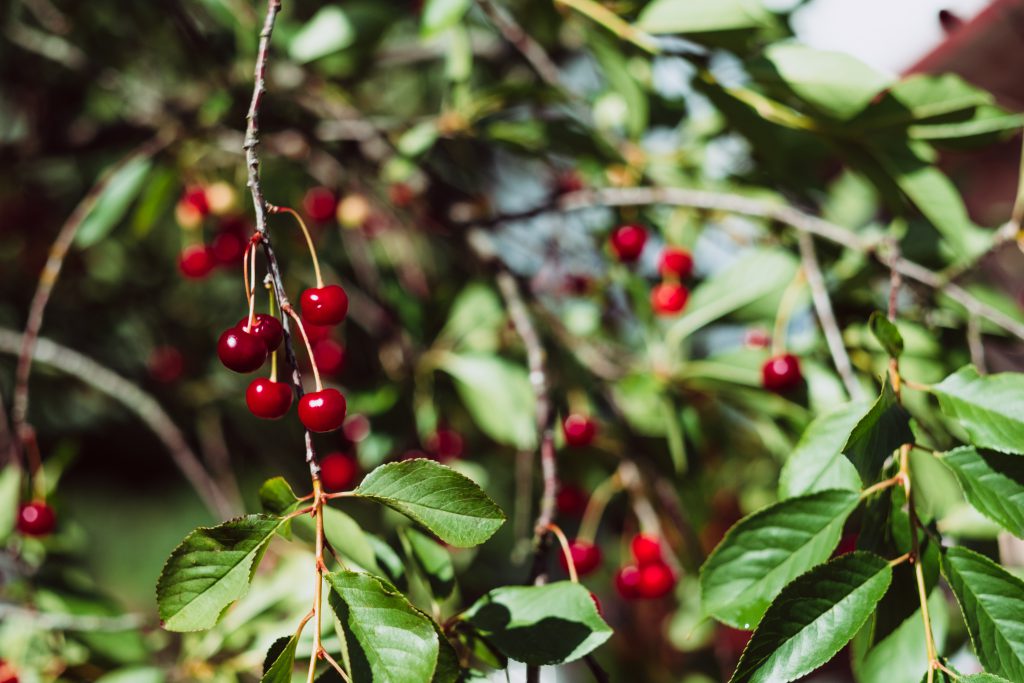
(322, 411)
(267, 399)
(781, 373)
(579, 430)
(675, 263)
(338, 472)
(627, 582)
(627, 242)
(585, 556)
(324, 305)
(571, 500)
(669, 298)
(646, 549)
(320, 204)
(266, 327)
(656, 580)
(240, 351)
(36, 519)
(196, 261)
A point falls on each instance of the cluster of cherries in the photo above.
(354, 210)
(199, 203)
(675, 264)
(648, 577)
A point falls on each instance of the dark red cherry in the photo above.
(268, 399)
(571, 500)
(338, 472)
(579, 430)
(227, 248)
(266, 327)
(401, 194)
(627, 582)
(781, 373)
(585, 556)
(669, 298)
(656, 580)
(568, 181)
(195, 197)
(446, 443)
(675, 263)
(329, 356)
(646, 549)
(196, 261)
(322, 411)
(36, 519)
(316, 333)
(165, 364)
(627, 242)
(320, 204)
(241, 351)
(324, 305)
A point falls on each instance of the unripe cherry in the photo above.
(36, 519)
(781, 373)
(579, 430)
(627, 242)
(268, 399)
(241, 351)
(675, 262)
(585, 556)
(322, 411)
(669, 298)
(324, 305)
(338, 472)
(220, 198)
(353, 211)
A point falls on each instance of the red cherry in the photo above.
(329, 356)
(324, 305)
(195, 197)
(646, 549)
(165, 364)
(322, 411)
(36, 519)
(656, 580)
(7, 674)
(568, 181)
(669, 298)
(781, 373)
(597, 603)
(196, 261)
(356, 428)
(227, 249)
(401, 194)
(268, 399)
(320, 204)
(675, 263)
(446, 443)
(627, 582)
(585, 556)
(241, 351)
(266, 327)
(579, 430)
(338, 472)
(316, 333)
(627, 242)
(571, 500)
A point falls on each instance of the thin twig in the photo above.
(827, 317)
(975, 344)
(135, 400)
(522, 41)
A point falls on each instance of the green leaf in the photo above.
(885, 428)
(992, 602)
(900, 657)
(277, 668)
(441, 14)
(817, 463)
(113, 201)
(135, 674)
(446, 503)
(433, 561)
(702, 16)
(540, 625)
(448, 669)
(755, 275)
(348, 538)
(475, 319)
(328, 31)
(277, 497)
(211, 569)
(813, 618)
(886, 333)
(768, 549)
(498, 395)
(834, 83)
(986, 121)
(989, 408)
(10, 485)
(388, 639)
(922, 97)
(993, 483)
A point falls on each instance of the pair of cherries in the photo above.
(669, 296)
(650, 577)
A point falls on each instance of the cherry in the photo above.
(316, 333)
(646, 549)
(165, 364)
(356, 428)
(7, 674)
(36, 519)
(329, 356)
(338, 472)
(585, 556)
(220, 197)
(268, 399)
(266, 327)
(241, 351)
(353, 211)
(324, 305)
(195, 197)
(320, 204)
(322, 411)
(579, 430)
(196, 261)
(781, 373)
(627, 582)
(568, 181)
(669, 298)
(571, 500)
(656, 580)
(675, 263)
(401, 194)
(627, 242)
(227, 248)
(446, 443)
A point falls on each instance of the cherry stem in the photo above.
(564, 542)
(245, 272)
(309, 239)
(596, 506)
(309, 349)
(318, 512)
(335, 665)
(273, 354)
(252, 293)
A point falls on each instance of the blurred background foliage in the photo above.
(426, 121)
